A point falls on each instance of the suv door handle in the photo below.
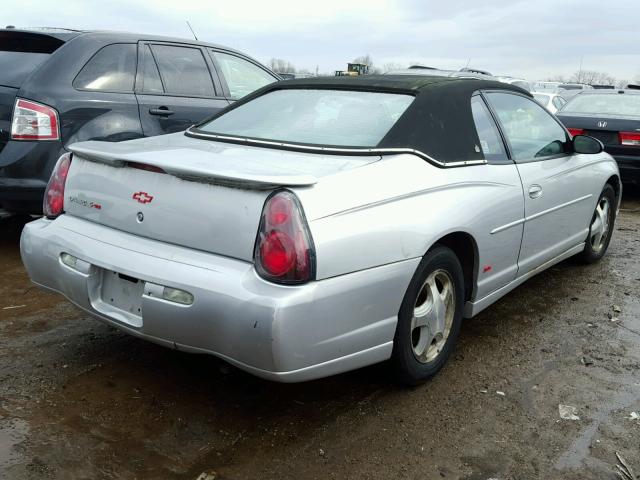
(535, 191)
(161, 111)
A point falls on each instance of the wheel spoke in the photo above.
(430, 316)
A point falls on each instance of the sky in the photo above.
(533, 39)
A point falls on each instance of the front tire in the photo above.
(430, 317)
(601, 227)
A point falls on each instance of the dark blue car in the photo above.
(58, 87)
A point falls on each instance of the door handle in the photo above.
(164, 111)
(535, 191)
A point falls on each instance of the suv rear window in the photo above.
(22, 53)
(112, 69)
(317, 117)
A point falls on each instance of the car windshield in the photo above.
(318, 117)
(615, 104)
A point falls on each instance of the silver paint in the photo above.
(372, 217)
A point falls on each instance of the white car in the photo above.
(551, 101)
(518, 82)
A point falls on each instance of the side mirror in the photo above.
(587, 144)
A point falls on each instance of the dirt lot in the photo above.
(81, 400)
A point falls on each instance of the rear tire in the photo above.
(601, 227)
(430, 317)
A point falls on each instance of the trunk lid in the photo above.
(606, 128)
(210, 197)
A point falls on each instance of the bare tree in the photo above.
(279, 65)
(366, 59)
(592, 77)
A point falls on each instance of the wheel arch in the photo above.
(465, 248)
(616, 184)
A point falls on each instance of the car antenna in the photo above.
(192, 32)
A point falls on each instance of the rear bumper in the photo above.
(276, 332)
(629, 166)
(25, 168)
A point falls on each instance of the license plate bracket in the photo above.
(122, 293)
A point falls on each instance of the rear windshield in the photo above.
(21, 54)
(541, 98)
(614, 104)
(317, 117)
(15, 67)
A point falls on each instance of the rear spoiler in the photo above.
(192, 165)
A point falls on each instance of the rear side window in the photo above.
(112, 69)
(490, 141)
(150, 81)
(183, 70)
(317, 117)
(531, 130)
(242, 77)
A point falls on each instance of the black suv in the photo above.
(58, 87)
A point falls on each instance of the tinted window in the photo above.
(490, 141)
(557, 102)
(150, 78)
(605, 103)
(242, 77)
(183, 71)
(321, 117)
(531, 131)
(112, 69)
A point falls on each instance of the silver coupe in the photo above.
(324, 224)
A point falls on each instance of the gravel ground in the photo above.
(80, 400)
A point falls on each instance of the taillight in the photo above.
(630, 138)
(34, 121)
(284, 251)
(53, 204)
(575, 131)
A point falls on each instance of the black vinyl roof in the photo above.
(438, 123)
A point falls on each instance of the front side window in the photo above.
(112, 69)
(490, 141)
(183, 70)
(242, 77)
(317, 117)
(531, 131)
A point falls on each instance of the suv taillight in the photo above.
(53, 204)
(284, 251)
(34, 121)
(630, 138)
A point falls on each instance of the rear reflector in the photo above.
(630, 138)
(575, 131)
(53, 204)
(34, 121)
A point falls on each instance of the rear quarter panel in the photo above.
(397, 208)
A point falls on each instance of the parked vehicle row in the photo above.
(551, 101)
(59, 87)
(321, 225)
